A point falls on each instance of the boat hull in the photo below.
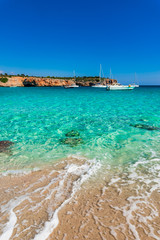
(71, 86)
(134, 85)
(99, 86)
(120, 88)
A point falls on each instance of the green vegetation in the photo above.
(4, 79)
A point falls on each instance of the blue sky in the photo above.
(57, 37)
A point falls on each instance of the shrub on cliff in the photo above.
(3, 79)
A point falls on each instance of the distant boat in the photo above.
(71, 86)
(99, 85)
(135, 80)
(123, 87)
(120, 87)
(134, 85)
(74, 86)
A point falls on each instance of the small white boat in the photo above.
(134, 85)
(71, 86)
(120, 87)
(74, 86)
(99, 86)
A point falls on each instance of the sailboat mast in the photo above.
(74, 73)
(135, 79)
(110, 74)
(100, 73)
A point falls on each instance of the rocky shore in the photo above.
(35, 82)
(18, 81)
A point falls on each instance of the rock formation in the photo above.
(35, 82)
(72, 142)
(144, 126)
(4, 145)
(17, 81)
(72, 133)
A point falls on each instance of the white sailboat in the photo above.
(72, 85)
(99, 85)
(135, 80)
(120, 87)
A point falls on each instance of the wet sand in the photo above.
(80, 199)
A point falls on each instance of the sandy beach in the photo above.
(79, 199)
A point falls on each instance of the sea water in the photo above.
(114, 161)
(37, 120)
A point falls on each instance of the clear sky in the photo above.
(55, 37)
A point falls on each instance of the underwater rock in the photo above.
(4, 145)
(144, 126)
(72, 133)
(72, 141)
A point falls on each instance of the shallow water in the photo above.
(109, 179)
(37, 119)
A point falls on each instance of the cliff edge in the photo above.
(18, 81)
(34, 82)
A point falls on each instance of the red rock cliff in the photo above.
(16, 81)
(35, 82)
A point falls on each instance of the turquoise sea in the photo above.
(112, 125)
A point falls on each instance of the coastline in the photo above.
(81, 199)
(18, 81)
(30, 200)
(35, 82)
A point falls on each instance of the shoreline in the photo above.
(18, 81)
(40, 193)
(80, 199)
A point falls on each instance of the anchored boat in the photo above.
(71, 86)
(74, 85)
(120, 87)
(123, 87)
(136, 84)
(100, 85)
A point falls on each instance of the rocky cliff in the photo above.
(13, 82)
(93, 81)
(16, 81)
(35, 82)
(46, 82)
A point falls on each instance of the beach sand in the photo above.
(80, 199)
